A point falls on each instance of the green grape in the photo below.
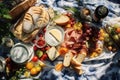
(115, 37)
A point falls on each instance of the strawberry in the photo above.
(42, 49)
(44, 57)
(35, 48)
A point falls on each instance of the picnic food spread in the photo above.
(47, 35)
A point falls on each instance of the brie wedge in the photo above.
(52, 53)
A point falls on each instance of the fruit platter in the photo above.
(57, 40)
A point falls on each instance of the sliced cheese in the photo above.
(56, 34)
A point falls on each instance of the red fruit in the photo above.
(87, 31)
(72, 23)
(35, 48)
(42, 49)
(47, 47)
(68, 14)
(44, 57)
(72, 19)
(40, 35)
(44, 29)
(41, 42)
(35, 59)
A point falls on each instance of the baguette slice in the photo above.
(61, 20)
(20, 8)
(67, 59)
(81, 56)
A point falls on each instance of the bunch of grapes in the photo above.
(92, 36)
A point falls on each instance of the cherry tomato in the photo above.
(35, 59)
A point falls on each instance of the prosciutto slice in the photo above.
(72, 39)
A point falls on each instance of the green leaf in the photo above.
(6, 16)
(71, 9)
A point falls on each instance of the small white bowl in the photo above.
(50, 39)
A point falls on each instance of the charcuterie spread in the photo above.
(64, 39)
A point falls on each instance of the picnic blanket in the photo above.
(106, 67)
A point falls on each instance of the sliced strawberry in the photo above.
(41, 43)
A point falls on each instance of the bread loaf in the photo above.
(20, 8)
(28, 25)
